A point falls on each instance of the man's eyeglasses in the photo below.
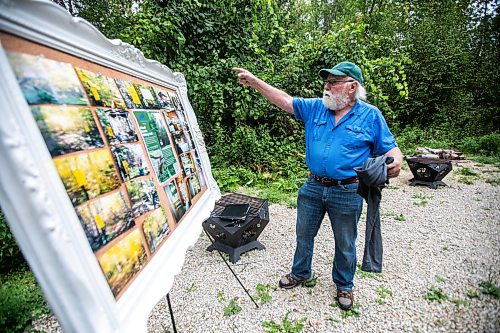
(331, 83)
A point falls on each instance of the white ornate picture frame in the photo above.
(36, 201)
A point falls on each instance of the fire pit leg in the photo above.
(234, 253)
(433, 185)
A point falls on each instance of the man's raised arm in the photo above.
(277, 97)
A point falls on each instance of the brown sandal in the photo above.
(288, 282)
(345, 299)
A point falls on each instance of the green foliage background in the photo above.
(21, 299)
(431, 67)
(10, 256)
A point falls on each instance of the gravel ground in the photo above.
(447, 239)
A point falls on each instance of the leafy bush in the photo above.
(488, 145)
(485, 159)
(21, 301)
(10, 255)
(278, 187)
(410, 138)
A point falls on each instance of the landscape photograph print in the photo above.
(130, 160)
(177, 207)
(176, 101)
(87, 175)
(123, 261)
(178, 128)
(201, 179)
(182, 186)
(143, 196)
(105, 218)
(155, 228)
(45, 81)
(194, 185)
(102, 91)
(147, 96)
(66, 129)
(117, 125)
(163, 99)
(187, 163)
(182, 144)
(129, 94)
(198, 167)
(175, 121)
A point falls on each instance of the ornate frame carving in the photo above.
(31, 190)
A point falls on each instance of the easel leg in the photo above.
(225, 261)
(171, 313)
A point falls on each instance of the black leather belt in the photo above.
(334, 182)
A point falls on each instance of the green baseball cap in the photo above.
(343, 69)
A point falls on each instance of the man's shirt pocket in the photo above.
(356, 137)
(319, 127)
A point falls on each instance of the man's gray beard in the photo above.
(335, 102)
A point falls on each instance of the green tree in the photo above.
(427, 64)
(454, 70)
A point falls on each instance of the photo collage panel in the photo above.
(104, 135)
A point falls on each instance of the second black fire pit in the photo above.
(428, 171)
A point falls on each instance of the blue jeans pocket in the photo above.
(349, 187)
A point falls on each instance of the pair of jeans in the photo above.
(343, 205)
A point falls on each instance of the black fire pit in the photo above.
(235, 224)
(428, 171)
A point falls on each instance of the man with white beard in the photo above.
(341, 132)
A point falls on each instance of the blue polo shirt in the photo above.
(334, 150)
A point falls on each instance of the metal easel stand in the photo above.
(225, 261)
(171, 313)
